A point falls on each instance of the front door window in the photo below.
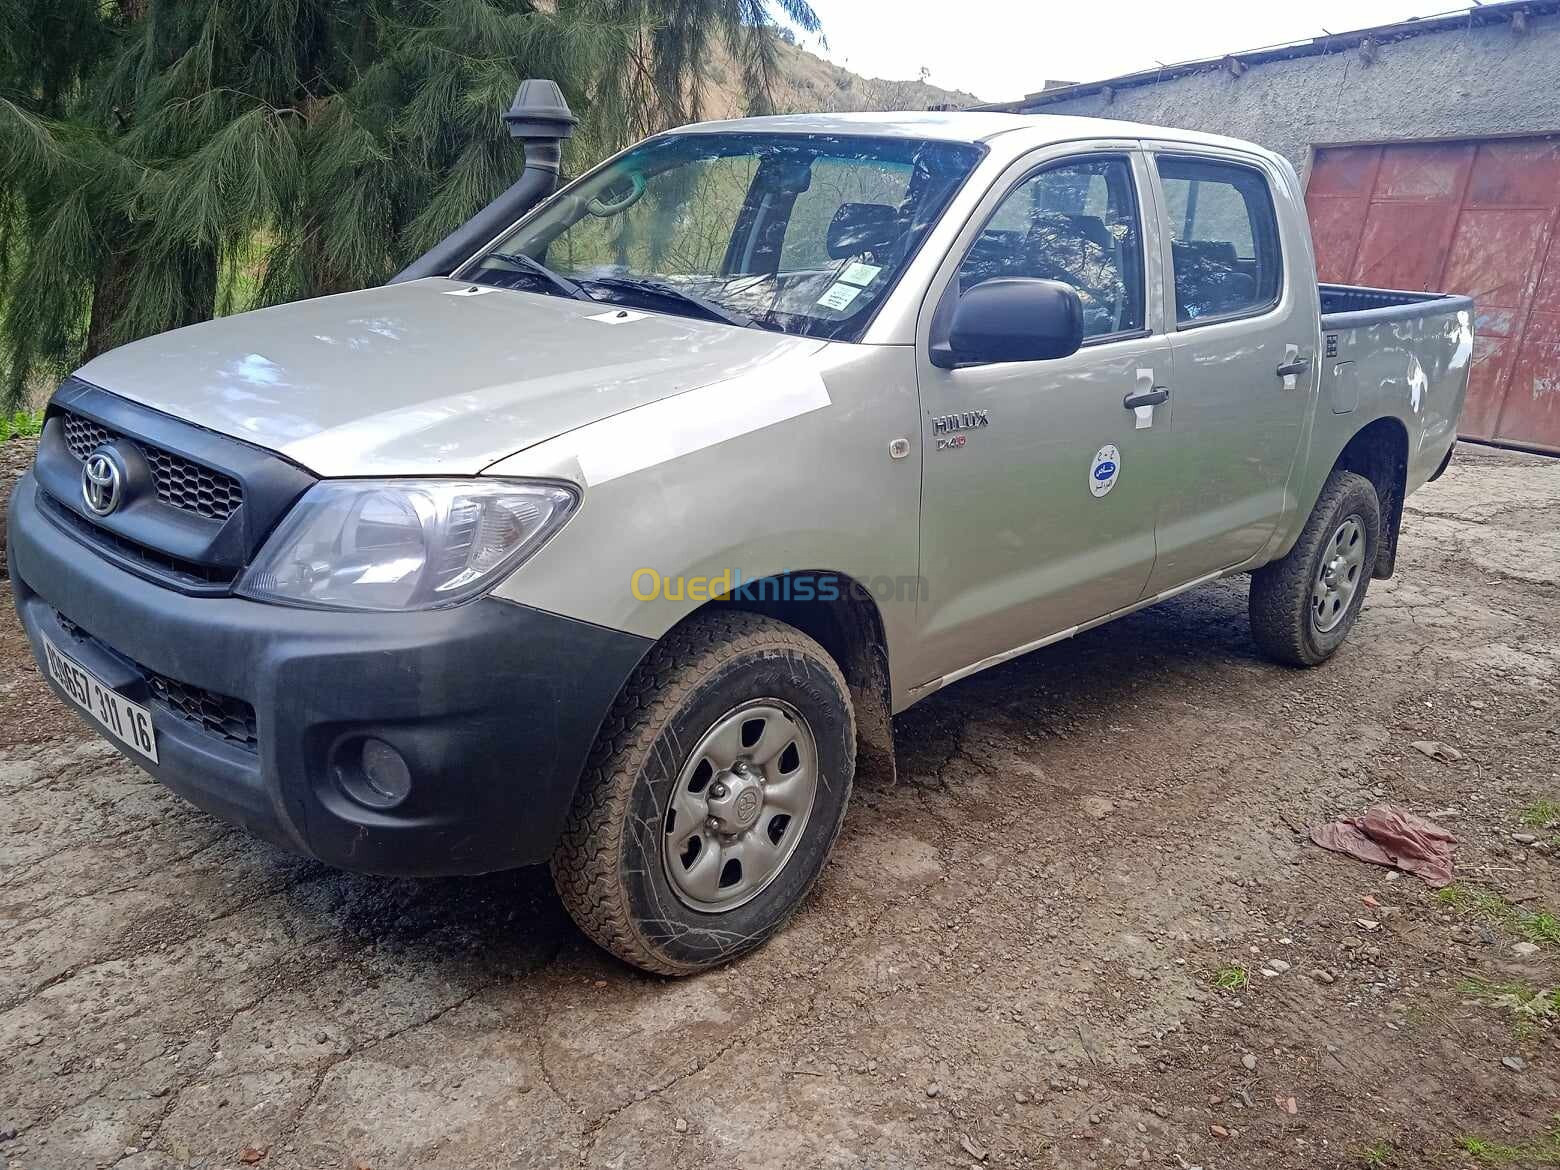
(1077, 223)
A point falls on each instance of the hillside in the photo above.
(810, 84)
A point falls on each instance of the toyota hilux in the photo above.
(616, 530)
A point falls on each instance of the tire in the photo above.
(627, 866)
(1297, 617)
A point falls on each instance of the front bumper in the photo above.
(493, 705)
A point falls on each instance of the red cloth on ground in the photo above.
(1388, 835)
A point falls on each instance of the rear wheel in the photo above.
(1304, 605)
(712, 797)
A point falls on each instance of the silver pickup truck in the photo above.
(614, 534)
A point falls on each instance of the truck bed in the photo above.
(1398, 354)
(1350, 306)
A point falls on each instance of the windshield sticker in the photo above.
(1104, 470)
(839, 296)
(861, 274)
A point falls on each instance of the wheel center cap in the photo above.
(735, 801)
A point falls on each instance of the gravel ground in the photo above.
(1011, 961)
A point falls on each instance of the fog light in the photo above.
(372, 772)
(386, 772)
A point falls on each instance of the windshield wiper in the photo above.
(562, 283)
(672, 293)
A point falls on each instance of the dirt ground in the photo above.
(1011, 961)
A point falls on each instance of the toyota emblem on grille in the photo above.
(102, 484)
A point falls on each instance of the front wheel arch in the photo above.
(848, 623)
(610, 864)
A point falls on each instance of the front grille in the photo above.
(181, 482)
(187, 573)
(83, 436)
(227, 718)
(219, 715)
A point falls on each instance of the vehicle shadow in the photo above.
(513, 923)
(491, 925)
(1184, 646)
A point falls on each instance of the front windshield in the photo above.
(799, 233)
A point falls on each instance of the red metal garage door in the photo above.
(1469, 217)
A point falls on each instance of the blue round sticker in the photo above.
(1104, 470)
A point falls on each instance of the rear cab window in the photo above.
(1224, 241)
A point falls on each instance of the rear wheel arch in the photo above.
(1379, 452)
(1328, 567)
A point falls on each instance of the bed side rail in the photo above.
(1346, 306)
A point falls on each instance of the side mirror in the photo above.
(1010, 319)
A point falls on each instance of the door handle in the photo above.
(1294, 368)
(1146, 398)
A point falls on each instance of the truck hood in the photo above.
(432, 377)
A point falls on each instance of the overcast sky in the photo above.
(1003, 49)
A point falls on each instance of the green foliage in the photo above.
(1230, 978)
(1539, 1151)
(1537, 926)
(1377, 1156)
(162, 161)
(21, 424)
(1529, 1009)
(1541, 814)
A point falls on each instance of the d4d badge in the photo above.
(949, 428)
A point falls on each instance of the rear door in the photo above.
(1243, 341)
(1039, 483)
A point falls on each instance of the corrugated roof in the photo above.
(1478, 16)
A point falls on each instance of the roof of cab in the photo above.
(1017, 132)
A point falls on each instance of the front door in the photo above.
(1243, 344)
(1039, 483)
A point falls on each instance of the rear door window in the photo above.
(1223, 238)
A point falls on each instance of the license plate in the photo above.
(127, 722)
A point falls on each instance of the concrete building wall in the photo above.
(1471, 82)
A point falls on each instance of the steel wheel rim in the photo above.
(739, 806)
(1339, 576)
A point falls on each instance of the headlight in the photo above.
(404, 543)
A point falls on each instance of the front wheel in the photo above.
(712, 796)
(1304, 604)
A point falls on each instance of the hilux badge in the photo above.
(947, 427)
(1104, 470)
(101, 483)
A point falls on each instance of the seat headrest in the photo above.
(1218, 251)
(1090, 228)
(863, 227)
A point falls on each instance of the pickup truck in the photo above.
(614, 533)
